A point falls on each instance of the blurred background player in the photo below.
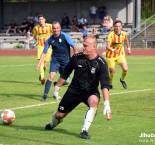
(61, 43)
(115, 52)
(41, 33)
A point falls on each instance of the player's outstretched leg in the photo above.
(54, 122)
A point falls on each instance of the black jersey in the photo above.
(87, 73)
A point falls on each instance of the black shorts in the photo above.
(70, 100)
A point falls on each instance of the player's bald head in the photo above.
(56, 23)
(91, 39)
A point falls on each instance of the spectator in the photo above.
(24, 27)
(94, 32)
(65, 21)
(102, 12)
(28, 37)
(31, 25)
(74, 24)
(36, 21)
(84, 31)
(30, 17)
(111, 21)
(12, 28)
(82, 21)
(93, 12)
(105, 25)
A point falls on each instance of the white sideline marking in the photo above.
(136, 91)
(20, 65)
(38, 105)
(30, 106)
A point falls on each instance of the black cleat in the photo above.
(43, 100)
(54, 83)
(123, 84)
(110, 87)
(84, 134)
(39, 77)
(48, 127)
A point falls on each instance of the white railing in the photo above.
(142, 28)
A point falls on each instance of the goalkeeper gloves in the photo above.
(107, 110)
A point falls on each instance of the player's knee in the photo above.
(51, 77)
(125, 69)
(59, 115)
(112, 71)
(93, 101)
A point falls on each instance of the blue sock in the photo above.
(47, 88)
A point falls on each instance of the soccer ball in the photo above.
(8, 116)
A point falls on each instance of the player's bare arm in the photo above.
(108, 47)
(126, 42)
(75, 49)
(40, 61)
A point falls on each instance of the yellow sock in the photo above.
(42, 71)
(111, 78)
(124, 74)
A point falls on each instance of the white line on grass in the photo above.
(135, 91)
(20, 65)
(30, 106)
(38, 105)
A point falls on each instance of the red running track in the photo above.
(100, 51)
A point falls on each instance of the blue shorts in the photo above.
(58, 65)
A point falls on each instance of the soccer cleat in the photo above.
(110, 87)
(43, 81)
(39, 77)
(54, 83)
(49, 127)
(84, 134)
(123, 83)
(43, 100)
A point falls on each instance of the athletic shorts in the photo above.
(113, 61)
(58, 65)
(48, 54)
(70, 100)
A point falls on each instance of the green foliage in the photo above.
(133, 109)
(19, 45)
(147, 9)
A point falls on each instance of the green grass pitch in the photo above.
(133, 108)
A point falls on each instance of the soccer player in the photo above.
(41, 33)
(61, 43)
(115, 52)
(89, 69)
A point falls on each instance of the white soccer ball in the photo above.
(8, 116)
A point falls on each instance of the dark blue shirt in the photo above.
(60, 44)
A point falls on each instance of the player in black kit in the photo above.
(89, 69)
